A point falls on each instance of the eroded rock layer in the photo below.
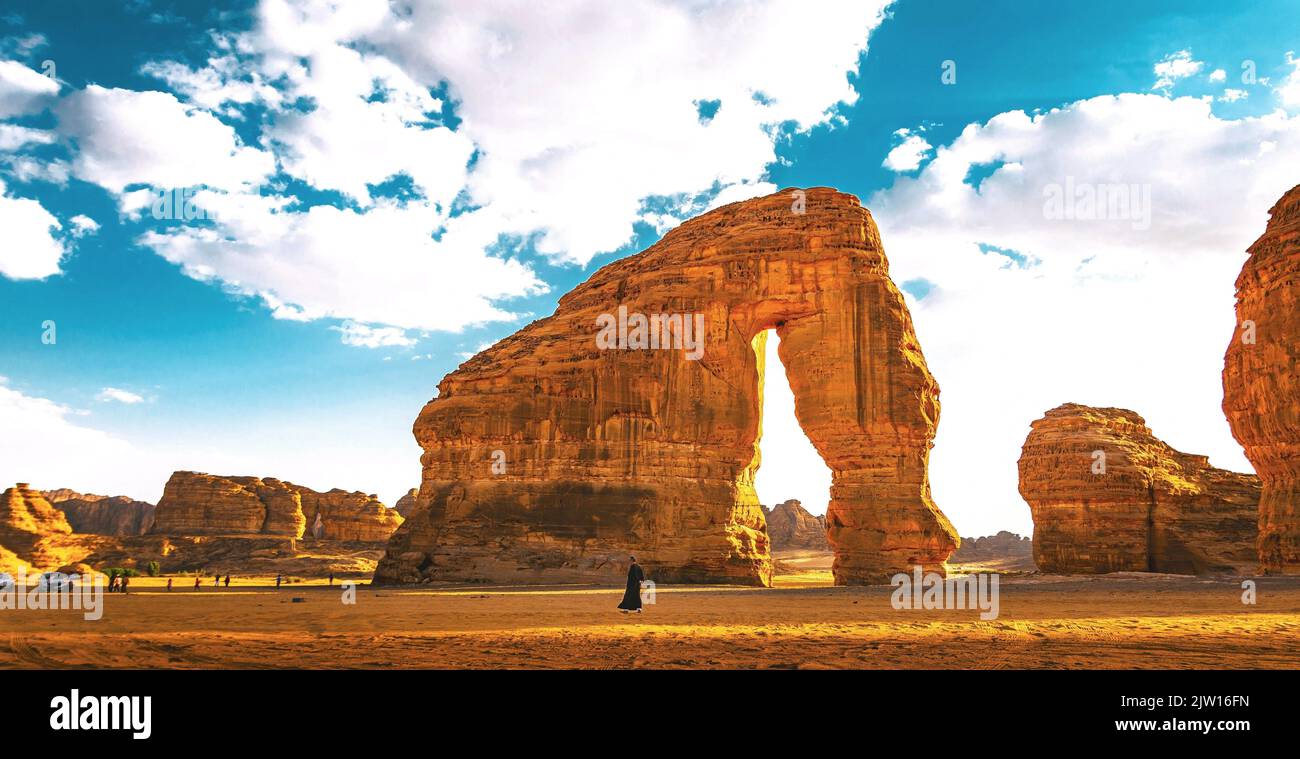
(1108, 496)
(102, 515)
(1261, 381)
(194, 503)
(553, 455)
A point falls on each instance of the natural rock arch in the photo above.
(549, 459)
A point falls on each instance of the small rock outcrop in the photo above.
(790, 526)
(102, 515)
(1108, 496)
(406, 504)
(194, 503)
(27, 522)
(1261, 381)
(627, 422)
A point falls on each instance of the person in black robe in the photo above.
(632, 597)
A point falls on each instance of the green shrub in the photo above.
(154, 569)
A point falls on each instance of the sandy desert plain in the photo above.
(1120, 620)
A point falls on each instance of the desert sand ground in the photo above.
(1151, 621)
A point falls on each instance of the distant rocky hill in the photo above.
(1004, 545)
(102, 515)
(790, 526)
(194, 503)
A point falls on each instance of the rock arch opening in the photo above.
(790, 468)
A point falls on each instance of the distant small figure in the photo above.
(125, 582)
(632, 596)
(169, 584)
(331, 579)
(227, 581)
(112, 584)
(196, 582)
(277, 581)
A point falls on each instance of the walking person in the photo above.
(126, 580)
(196, 582)
(632, 596)
(227, 581)
(169, 584)
(277, 581)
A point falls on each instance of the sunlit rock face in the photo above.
(1261, 381)
(27, 523)
(1108, 496)
(194, 503)
(563, 449)
(791, 526)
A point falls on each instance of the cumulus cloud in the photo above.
(126, 137)
(31, 248)
(1094, 263)
(23, 90)
(1175, 66)
(1218, 75)
(543, 147)
(118, 395)
(909, 153)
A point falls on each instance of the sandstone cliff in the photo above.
(202, 504)
(27, 522)
(1108, 496)
(606, 429)
(102, 515)
(789, 525)
(1261, 381)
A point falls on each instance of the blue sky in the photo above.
(217, 379)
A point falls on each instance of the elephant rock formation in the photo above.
(605, 430)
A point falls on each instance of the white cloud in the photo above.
(31, 249)
(377, 268)
(1218, 75)
(13, 137)
(564, 152)
(908, 154)
(126, 137)
(45, 442)
(83, 225)
(118, 395)
(23, 90)
(366, 336)
(1231, 96)
(1114, 312)
(1289, 89)
(1175, 66)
